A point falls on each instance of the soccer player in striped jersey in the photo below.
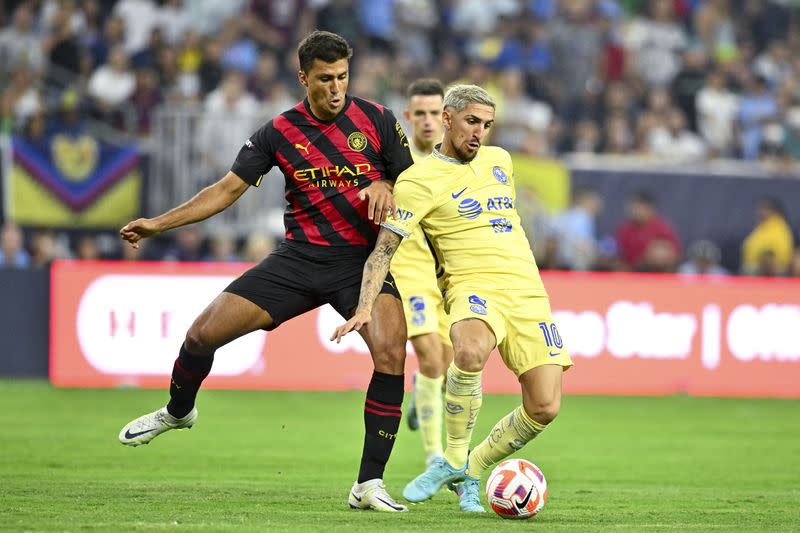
(463, 197)
(340, 156)
(414, 270)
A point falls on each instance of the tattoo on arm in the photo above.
(377, 266)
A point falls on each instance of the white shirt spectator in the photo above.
(140, 17)
(680, 146)
(716, 112)
(112, 86)
(657, 46)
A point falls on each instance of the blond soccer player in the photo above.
(463, 198)
(414, 270)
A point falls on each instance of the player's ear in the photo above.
(446, 119)
(302, 77)
(407, 115)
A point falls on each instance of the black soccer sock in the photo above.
(381, 421)
(188, 373)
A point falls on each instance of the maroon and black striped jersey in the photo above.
(325, 165)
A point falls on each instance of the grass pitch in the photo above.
(267, 461)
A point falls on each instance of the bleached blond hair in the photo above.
(458, 97)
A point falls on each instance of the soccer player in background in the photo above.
(463, 198)
(340, 156)
(414, 270)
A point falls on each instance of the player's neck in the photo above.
(422, 147)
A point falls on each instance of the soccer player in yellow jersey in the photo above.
(414, 271)
(463, 198)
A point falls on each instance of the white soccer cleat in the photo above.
(372, 495)
(149, 426)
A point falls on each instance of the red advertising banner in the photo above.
(116, 324)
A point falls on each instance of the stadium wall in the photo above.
(24, 334)
(119, 324)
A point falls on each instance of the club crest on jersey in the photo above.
(500, 175)
(357, 141)
(469, 208)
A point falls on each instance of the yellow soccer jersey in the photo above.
(413, 258)
(468, 212)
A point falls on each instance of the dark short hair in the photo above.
(425, 87)
(323, 45)
(643, 197)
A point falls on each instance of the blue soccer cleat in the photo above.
(469, 499)
(425, 485)
(411, 413)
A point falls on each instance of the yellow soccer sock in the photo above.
(463, 401)
(429, 412)
(510, 434)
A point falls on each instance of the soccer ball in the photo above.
(516, 489)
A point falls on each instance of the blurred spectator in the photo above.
(715, 27)
(717, 108)
(21, 99)
(188, 245)
(644, 225)
(575, 41)
(770, 245)
(113, 36)
(660, 256)
(655, 43)
(231, 114)
(172, 20)
(276, 24)
(703, 258)
(223, 249)
(20, 44)
(139, 17)
(756, 106)
(239, 50)
(146, 96)
(575, 230)
(340, 16)
(12, 250)
(44, 248)
(773, 65)
(211, 71)
(257, 247)
(113, 83)
(62, 46)
(794, 267)
(587, 139)
(675, 141)
(688, 82)
(518, 116)
(207, 16)
(87, 248)
(148, 56)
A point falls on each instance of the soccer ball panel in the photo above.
(517, 489)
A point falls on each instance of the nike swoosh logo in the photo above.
(356, 498)
(521, 505)
(459, 194)
(554, 354)
(129, 435)
(392, 505)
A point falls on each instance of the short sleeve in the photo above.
(395, 152)
(256, 157)
(414, 201)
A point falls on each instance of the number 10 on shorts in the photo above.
(551, 336)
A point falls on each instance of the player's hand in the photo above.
(139, 229)
(356, 323)
(381, 200)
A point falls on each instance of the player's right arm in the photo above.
(206, 203)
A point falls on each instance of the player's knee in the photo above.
(430, 367)
(390, 359)
(199, 340)
(470, 358)
(543, 411)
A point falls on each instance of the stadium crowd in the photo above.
(677, 80)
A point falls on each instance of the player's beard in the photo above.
(463, 155)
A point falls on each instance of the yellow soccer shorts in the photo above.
(522, 322)
(424, 309)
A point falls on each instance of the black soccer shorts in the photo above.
(298, 277)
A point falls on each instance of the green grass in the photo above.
(259, 461)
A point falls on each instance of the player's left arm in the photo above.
(375, 270)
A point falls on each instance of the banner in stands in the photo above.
(72, 179)
(120, 324)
